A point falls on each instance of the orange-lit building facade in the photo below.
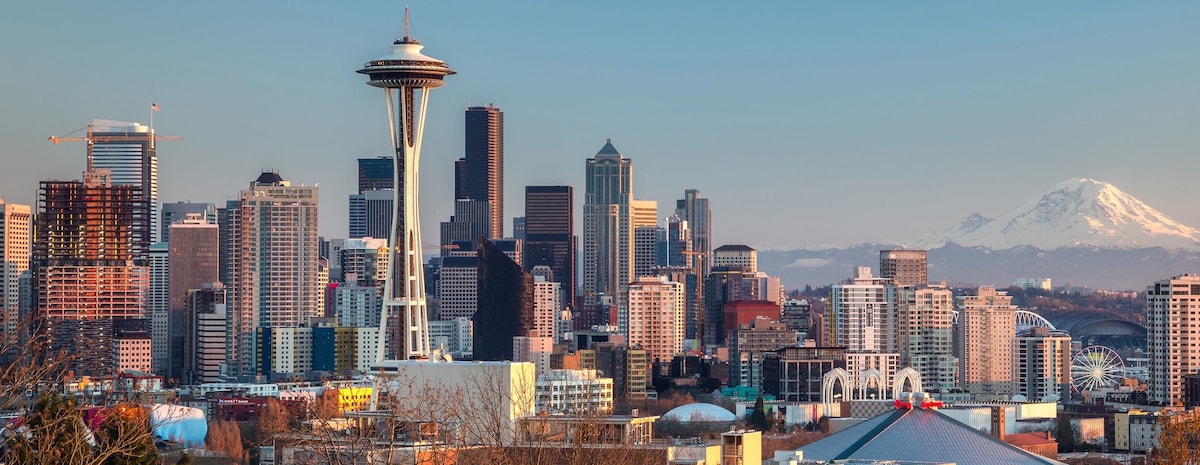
(91, 251)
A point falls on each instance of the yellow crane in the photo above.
(125, 136)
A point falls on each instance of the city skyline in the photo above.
(1028, 94)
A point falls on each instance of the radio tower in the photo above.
(406, 76)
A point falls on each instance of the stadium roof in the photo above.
(919, 435)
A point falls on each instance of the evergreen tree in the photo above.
(1065, 435)
(758, 417)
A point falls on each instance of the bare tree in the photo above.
(49, 425)
(1178, 438)
(225, 437)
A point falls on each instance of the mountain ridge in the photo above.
(1078, 212)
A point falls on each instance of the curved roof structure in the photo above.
(699, 412)
(919, 435)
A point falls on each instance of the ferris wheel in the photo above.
(1096, 367)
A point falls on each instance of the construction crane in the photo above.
(124, 136)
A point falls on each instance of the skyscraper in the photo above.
(655, 320)
(371, 213)
(89, 262)
(860, 314)
(736, 256)
(607, 226)
(1043, 363)
(192, 262)
(376, 174)
(505, 308)
(645, 237)
(483, 164)
(986, 331)
(15, 250)
(550, 234)
(158, 303)
(372, 207)
(925, 327)
(1172, 324)
(127, 150)
(904, 267)
(695, 210)
(276, 281)
(406, 77)
(472, 219)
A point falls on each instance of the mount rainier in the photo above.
(1080, 231)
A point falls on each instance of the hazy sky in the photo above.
(805, 123)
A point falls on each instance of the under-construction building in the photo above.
(90, 260)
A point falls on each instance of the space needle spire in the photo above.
(406, 77)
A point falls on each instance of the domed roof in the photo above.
(699, 412)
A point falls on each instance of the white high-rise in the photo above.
(656, 311)
(860, 315)
(926, 330)
(127, 150)
(276, 277)
(1043, 364)
(1172, 334)
(987, 330)
(547, 307)
(15, 250)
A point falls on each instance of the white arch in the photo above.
(906, 373)
(865, 377)
(1027, 319)
(835, 375)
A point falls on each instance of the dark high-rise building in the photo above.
(695, 211)
(505, 307)
(483, 167)
(904, 267)
(550, 233)
(372, 208)
(472, 219)
(375, 173)
(192, 262)
(371, 214)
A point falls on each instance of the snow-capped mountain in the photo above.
(1077, 212)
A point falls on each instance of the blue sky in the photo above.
(805, 123)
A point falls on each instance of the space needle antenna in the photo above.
(406, 35)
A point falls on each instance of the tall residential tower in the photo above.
(275, 264)
(15, 250)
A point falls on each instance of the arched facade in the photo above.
(864, 383)
(906, 373)
(835, 375)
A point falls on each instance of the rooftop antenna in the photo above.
(406, 36)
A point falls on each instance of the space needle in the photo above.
(406, 76)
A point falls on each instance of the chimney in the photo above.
(998, 422)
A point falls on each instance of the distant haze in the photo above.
(804, 123)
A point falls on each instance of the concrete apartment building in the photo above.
(656, 310)
(986, 331)
(1172, 332)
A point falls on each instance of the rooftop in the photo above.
(919, 435)
(608, 149)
